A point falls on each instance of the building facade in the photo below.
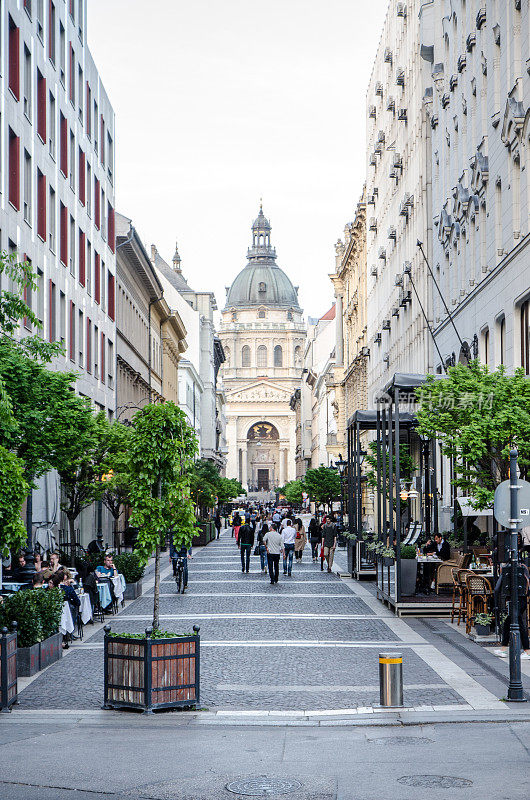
(322, 406)
(263, 337)
(398, 202)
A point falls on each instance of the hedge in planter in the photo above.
(130, 567)
(38, 614)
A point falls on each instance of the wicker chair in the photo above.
(444, 576)
(478, 594)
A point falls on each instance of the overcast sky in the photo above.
(221, 102)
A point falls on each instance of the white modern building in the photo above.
(322, 408)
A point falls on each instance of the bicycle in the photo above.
(179, 575)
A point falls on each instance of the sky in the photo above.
(219, 103)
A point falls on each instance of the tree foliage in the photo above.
(293, 491)
(322, 485)
(228, 489)
(13, 491)
(478, 415)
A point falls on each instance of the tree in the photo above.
(13, 490)
(293, 491)
(228, 489)
(322, 485)
(478, 415)
(115, 494)
(205, 481)
(162, 449)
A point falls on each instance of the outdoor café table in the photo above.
(119, 586)
(67, 623)
(105, 598)
(85, 609)
(15, 586)
(427, 565)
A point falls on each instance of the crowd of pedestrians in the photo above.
(275, 533)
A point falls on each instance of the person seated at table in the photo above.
(442, 548)
(54, 565)
(20, 574)
(107, 569)
(60, 580)
(37, 560)
(38, 580)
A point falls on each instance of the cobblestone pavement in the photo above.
(311, 642)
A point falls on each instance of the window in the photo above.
(261, 313)
(27, 7)
(51, 140)
(52, 329)
(262, 356)
(96, 351)
(102, 352)
(278, 356)
(88, 346)
(40, 301)
(82, 258)
(62, 53)
(63, 156)
(110, 365)
(89, 268)
(41, 205)
(80, 84)
(88, 190)
(111, 228)
(27, 83)
(52, 224)
(227, 356)
(41, 106)
(80, 19)
(486, 344)
(62, 317)
(262, 287)
(72, 161)
(71, 76)
(298, 355)
(63, 221)
(103, 286)
(97, 278)
(245, 356)
(525, 336)
(14, 169)
(103, 217)
(28, 290)
(110, 157)
(71, 348)
(72, 246)
(81, 336)
(27, 187)
(290, 316)
(40, 19)
(14, 59)
(97, 203)
(102, 154)
(82, 173)
(96, 118)
(51, 34)
(110, 296)
(502, 339)
(88, 110)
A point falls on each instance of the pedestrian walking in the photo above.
(236, 524)
(274, 544)
(288, 540)
(217, 522)
(245, 543)
(262, 547)
(503, 587)
(329, 540)
(315, 538)
(300, 540)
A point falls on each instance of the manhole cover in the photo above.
(435, 781)
(263, 787)
(402, 740)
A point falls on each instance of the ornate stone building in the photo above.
(263, 337)
(351, 350)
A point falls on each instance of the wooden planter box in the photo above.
(151, 674)
(132, 590)
(32, 659)
(51, 649)
(8, 669)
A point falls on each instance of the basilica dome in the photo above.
(262, 282)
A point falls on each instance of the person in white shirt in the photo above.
(288, 539)
(274, 544)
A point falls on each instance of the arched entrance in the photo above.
(263, 451)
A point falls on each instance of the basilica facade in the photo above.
(263, 336)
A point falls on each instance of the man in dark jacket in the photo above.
(246, 543)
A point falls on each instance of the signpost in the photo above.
(511, 508)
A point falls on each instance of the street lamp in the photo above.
(341, 465)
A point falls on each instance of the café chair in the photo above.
(479, 593)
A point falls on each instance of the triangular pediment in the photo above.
(259, 392)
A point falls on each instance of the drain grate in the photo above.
(263, 787)
(435, 781)
(401, 740)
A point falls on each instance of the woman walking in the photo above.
(315, 537)
(300, 539)
(262, 547)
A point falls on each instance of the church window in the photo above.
(245, 356)
(298, 355)
(262, 356)
(289, 315)
(262, 286)
(278, 356)
(261, 313)
(227, 356)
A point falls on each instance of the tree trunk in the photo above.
(71, 523)
(156, 603)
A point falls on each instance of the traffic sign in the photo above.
(501, 504)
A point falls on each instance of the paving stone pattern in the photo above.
(244, 676)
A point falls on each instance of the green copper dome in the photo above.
(262, 282)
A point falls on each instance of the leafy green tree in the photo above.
(115, 478)
(13, 490)
(205, 481)
(229, 489)
(478, 415)
(162, 450)
(293, 491)
(322, 485)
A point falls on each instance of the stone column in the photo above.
(282, 466)
(244, 475)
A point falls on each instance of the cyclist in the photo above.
(176, 553)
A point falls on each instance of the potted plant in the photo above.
(37, 613)
(156, 669)
(409, 569)
(483, 624)
(132, 570)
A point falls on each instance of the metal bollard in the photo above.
(391, 679)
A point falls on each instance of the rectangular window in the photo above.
(97, 279)
(40, 301)
(52, 323)
(103, 285)
(62, 53)
(110, 296)
(81, 335)
(40, 19)
(64, 145)
(97, 203)
(103, 216)
(62, 317)
(41, 106)
(51, 32)
(14, 59)
(80, 84)
(502, 340)
(80, 19)
(112, 228)
(27, 7)
(28, 290)
(72, 161)
(82, 258)
(89, 268)
(88, 110)
(41, 205)
(102, 136)
(110, 157)
(96, 118)
(27, 83)
(14, 170)
(88, 190)
(52, 127)
(63, 251)
(96, 351)
(72, 246)
(82, 173)
(71, 76)
(71, 9)
(88, 346)
(102, 365)
(110, 366)
(27, 187)
(52, 221)
(72, 331)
